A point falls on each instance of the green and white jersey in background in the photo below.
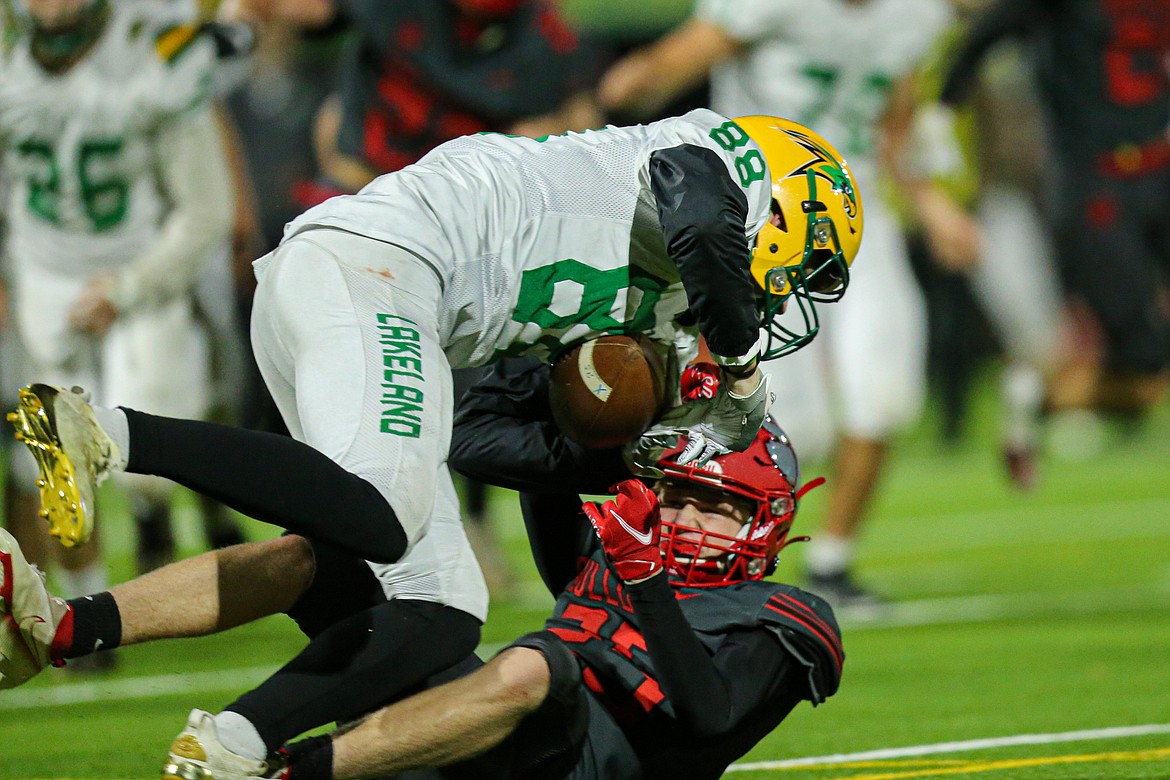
(78, 146)
(542, 243)
(828, 64)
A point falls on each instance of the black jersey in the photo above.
(1102, 66)
(418, 74)
(595, 616)
(745, 629)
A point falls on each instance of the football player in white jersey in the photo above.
(845, 68)
(119, 195)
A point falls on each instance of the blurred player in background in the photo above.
(419, 73)
(992, 155)
(1103, 79)
(119, 196)
(846, 69)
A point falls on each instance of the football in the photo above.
(606, 392)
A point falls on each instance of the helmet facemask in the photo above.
(759, 485)
(821, 276)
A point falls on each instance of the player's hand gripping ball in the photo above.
(607, 392)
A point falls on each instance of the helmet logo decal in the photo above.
(712, 466)
(643, 537)
(762, 530)
(825, 166)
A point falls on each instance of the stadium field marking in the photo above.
(884, 754)
(135, 688)
(966, 609)
(971, 767)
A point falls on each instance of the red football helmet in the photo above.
(767, 475)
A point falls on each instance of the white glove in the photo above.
(642, 454)
(715, 426)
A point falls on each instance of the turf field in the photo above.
(1030, 637)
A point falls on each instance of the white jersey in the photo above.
(543, 243)
(77, 146)
(828, 64)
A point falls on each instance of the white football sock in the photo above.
(1023, 395)
(237, 734)
(82, 582)
(827, 555)
(113, 422)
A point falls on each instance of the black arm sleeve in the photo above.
(1006, 17)
(702, 212)
(559, 533)
(504, 435)
(701, 687)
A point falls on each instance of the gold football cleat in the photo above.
(198, 754)
(72, 452)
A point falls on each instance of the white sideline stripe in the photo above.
(153, 686)
(1116, 732)
(135, 688)
(961, 609)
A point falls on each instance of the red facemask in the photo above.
(767, 474)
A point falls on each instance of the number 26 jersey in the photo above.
(79, 149)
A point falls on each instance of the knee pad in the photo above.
(549, 742)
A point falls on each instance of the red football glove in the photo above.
(699, 381)
(628, 529)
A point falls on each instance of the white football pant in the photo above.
(353, 360)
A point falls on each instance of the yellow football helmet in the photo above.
(803, 254)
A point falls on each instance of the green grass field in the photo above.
(1037, 624)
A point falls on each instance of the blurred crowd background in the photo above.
(1028, 205)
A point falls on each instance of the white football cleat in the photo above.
(197, 754)
(73, 456)
(29, 616)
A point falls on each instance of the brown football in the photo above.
(607, 391)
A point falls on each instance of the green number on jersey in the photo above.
(598, 289)
(105, 195)
(749, 165)
(44, 183)
(858, 104)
